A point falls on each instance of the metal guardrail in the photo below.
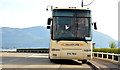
(32, 51)
(97, 54)
(107, 54)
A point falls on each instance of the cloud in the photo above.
(5, 17)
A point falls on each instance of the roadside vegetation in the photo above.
(113, 49)
(113, 45)
(107, 50)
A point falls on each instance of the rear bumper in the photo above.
(79, 55)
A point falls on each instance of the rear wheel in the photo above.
(52, 60)
(84, 61)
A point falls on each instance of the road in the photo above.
(40, 61)
(34, 61)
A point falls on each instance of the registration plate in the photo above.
(71, 53)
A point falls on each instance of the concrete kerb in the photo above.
(109, 60)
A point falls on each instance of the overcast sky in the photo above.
(28, 13)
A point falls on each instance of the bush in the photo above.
(109, 50)
(112, 45)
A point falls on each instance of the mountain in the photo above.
(35, 37)
(38, 37)
(102, 40)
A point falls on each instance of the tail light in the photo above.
(55, 49)
(90, 50)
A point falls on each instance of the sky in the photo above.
(29, 13)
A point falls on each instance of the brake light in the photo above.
(53, 49)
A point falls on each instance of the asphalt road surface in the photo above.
(34, 61)
(40, 61)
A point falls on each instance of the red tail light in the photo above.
(53, 49)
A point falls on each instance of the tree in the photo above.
(112, 45)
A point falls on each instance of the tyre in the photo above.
(84, 61)
(52, 60)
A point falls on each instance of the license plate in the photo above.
(71, 53)
(68, 53)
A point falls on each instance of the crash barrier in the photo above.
(110, 56)
(102, 55)
(33, 50)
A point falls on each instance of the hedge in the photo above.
(107, 50)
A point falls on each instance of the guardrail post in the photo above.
(97, 54)
(119, 61)
(102, 54)
(107, 56)
(112, 57)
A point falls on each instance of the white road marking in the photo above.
(38, 55)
